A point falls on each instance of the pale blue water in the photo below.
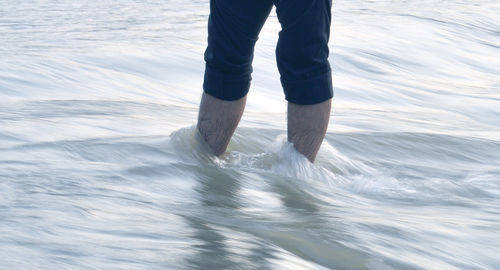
(101, 168)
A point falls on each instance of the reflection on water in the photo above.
(101, 166)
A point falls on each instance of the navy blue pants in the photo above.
(301, 52)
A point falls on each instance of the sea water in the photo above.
(101, 166)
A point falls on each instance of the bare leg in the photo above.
(307, 126)
(217, 120)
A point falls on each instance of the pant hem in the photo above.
(309, 91)
(223, 86)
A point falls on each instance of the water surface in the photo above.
(101, 167)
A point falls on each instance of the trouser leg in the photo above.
(302, 50)
(302, 56)
(233, 29)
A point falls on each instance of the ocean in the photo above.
(101, 166)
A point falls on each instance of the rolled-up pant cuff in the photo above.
(225, 86)
(309, 91)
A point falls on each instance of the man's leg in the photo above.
(307, 126)
(302, 55)
(218, 119)
(233, 29)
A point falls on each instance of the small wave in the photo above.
(267, 152)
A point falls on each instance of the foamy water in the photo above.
(101, 166)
